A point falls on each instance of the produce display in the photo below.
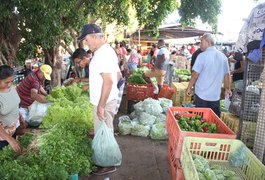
(136, 76)
(148, 119)
(195, 123)
(208, 171)
(59, 150)
(183, 74)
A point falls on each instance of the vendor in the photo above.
(82, 60)
(9, 109)
(238, 70)
(31, 89)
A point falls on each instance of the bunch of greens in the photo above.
(212, 171)
(59, 152)
(158, 131)
(137, 76)
(195, 123)
(136, 79)
(182, 71)
(69, 104)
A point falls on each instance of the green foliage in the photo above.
(62, 148)
(69, 104)
(206, 10)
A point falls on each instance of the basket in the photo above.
(231, 120)
(175, 166)
(139, 92)
(177, 135)
(179, 97)
(218, 151)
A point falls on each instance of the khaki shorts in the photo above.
(109, 113)
(158, 74)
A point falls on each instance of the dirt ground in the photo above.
(143, 158)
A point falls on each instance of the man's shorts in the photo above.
(158, 74)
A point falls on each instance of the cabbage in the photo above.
(160, 118)
(125, 127)
(152, 106)
(147, 119)
(158, 131)
(165, 103)
(140, 130)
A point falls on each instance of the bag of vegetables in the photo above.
(159, 132)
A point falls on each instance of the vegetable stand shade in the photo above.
(220, 151)
(176, 135)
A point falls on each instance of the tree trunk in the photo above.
(55, 60)
(9, 40)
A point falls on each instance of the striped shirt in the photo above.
(24, 89)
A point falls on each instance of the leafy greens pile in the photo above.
(62, 148)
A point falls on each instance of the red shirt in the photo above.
(24, 89)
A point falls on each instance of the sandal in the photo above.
(104, 170)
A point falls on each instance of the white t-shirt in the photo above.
(104, 60)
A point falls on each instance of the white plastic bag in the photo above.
(36, 113)
(227, 103)
(106, 149)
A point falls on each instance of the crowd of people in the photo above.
(105, 68)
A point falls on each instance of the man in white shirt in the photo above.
(103, 80)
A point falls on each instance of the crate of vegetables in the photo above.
(207, 158)
(194, 122)
(139, 92)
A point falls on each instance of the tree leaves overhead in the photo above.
(206, 10)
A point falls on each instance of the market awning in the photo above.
(172, 32)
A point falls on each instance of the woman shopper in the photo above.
(9, 109)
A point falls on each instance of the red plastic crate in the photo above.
(175, 165)
(139, 92)
(176, 135)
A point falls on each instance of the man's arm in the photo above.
(194, 77)
(37, 97)
(42, 91)
(227, 85)
(106, 88)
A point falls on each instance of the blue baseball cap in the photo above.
(89, 29)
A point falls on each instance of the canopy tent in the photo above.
(172, 32)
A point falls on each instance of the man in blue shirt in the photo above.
(209, 71)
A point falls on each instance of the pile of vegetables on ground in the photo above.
(137, 76)
(60, 146)
(210, 171)
(195, 123)
(149, 118)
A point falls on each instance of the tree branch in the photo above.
(69, 50)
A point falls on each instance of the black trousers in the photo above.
(5, 143)
(214, 105)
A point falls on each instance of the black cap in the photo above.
(89, 29)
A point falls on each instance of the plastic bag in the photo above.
(138, 107)
(239, 157)
(165, 103)
(106, 149)
(140, 130)
(36, 113)
(227, 103)
(161, 118)
(158, 131)
(125, 125)
(147, 119)
(152, 106)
